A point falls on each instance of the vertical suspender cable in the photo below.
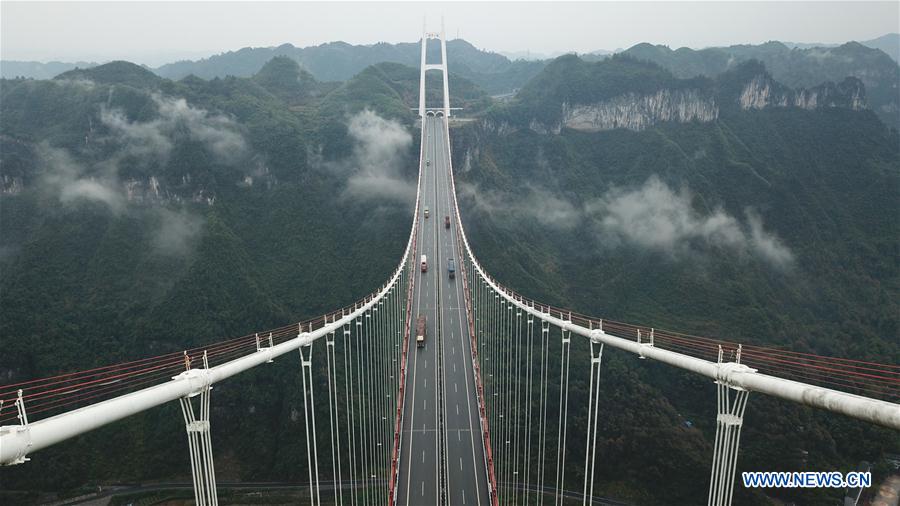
(590, 453)
(528, 384)
(351, 418)
(516, 474)
(331, 372)
(542, 444)
(563, 415)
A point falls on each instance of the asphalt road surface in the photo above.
(441, 441)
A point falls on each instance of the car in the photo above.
(424, 263)
(427, 163)
(426, 211)
(446, 222)
(451, 268)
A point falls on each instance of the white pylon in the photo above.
(425, 66)
(729, 420)
(200, 442)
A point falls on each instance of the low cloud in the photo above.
(656, 217)
(534, 204)
(767, 245)
(176, 232)
(380, 148)
(155, 138)
(652, 217)
(70, 181)
(136, 138)
(218, 133)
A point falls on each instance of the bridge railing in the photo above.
(503, 319)
(38, 413)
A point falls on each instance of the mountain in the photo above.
(283, 77)
(723, 206)
(116, 72)
(141, 216)
(397, 86)
(889, 43)
(794, 67)
(11, 69)
(338, 61)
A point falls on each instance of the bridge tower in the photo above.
(425, 67)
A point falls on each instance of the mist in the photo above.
(380, 151)
(652, 217)
(176, 232)
(533, 204)
(72, 180)
(657, 218)
(155, 138)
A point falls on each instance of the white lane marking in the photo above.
(460, 463)
(465, 343)
(454, 366)
(455, 389)
(426, 363)
(459, 437)
(426, 383)
(423, 456)
(457, 408)
(422, 244)
(425, 404)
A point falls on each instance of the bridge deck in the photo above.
(444, 361)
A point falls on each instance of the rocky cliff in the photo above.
(637, 112)
(762, 91)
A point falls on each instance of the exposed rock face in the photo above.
(501, 128)
(10, 185)
(637, 112)
(762, 91)
(152, 191)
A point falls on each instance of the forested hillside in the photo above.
(793, 67)
(142, 216)
(695, 205)
(338, 61)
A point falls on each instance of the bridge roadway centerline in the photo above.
(471, 477)
(445, 359)
(419, 480)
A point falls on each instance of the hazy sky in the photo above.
(159, 32)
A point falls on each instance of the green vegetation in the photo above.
(795, 68)
(339, 61)
(542, 213)
(140, 218)
(231, 213)
(117, 72)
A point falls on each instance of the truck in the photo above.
(421, 330)
(451, 268)
(424, 263)
(446, 222)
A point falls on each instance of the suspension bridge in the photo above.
(476, 415)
